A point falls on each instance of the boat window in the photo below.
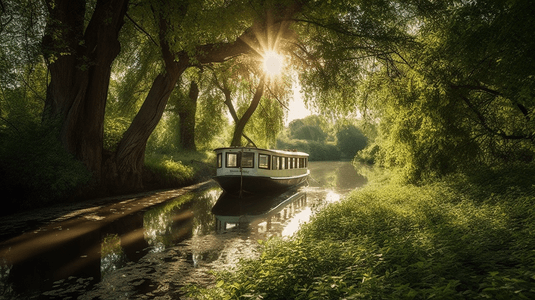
(232, 160)
(247, 160)
(219, 160)
(275, 162)
(263, 161)
(285, 163)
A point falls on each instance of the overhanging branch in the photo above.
(141, 29)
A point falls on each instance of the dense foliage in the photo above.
(36, 171)
(323, 139)
(461, 94)
(350, 140)
(317, 151)
(466, 237)
(448, 84)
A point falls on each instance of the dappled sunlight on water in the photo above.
(112, 254)
(332, 197)
(294, 224)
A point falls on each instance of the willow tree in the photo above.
(463, 96)
(80, 53)
(253, 98)
(178, 55)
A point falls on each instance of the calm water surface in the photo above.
(82, 255)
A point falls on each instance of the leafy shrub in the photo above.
(179, 169)
(36, 169)
(318, 151)
(367, 155)
(114, 129)
(350, 140)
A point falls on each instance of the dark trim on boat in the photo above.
(258, 184)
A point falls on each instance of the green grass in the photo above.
(178, 169)
(466, 237)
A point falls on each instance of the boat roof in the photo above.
(280, 152)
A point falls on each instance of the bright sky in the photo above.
(297, 109)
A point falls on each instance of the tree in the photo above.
(464, 96)
(350, 140)
(309, 132)
(240, 124)
(314, 128)
(78, 95)
(79, 59)
(186, 114)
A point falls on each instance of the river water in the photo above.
(150, 246)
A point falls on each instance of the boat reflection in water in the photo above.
(263, 213)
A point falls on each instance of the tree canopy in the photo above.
(462, 94)
(448, 83)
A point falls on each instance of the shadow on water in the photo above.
(71, 257)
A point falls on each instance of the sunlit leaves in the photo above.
(194, 23)
(459, 97)
(342, 41)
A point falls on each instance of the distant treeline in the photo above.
(323, 141)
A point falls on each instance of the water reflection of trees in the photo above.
(181, 218)
(112, 255)
(6, 288)
(337, 175)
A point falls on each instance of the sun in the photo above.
(273, 63)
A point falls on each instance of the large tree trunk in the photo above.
(228, 102)
(130, 155)
(127, 165)
(80, 67)
(186, 113)
(240, 125)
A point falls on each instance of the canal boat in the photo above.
(255, 170)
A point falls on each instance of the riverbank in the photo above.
(150, 245)
(18, 223)
(465, 237)
(161, 171)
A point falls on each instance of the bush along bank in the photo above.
(46, 176)
(462, 238)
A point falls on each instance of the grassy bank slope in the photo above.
(467, 237)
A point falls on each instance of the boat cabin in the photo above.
(254, 169)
